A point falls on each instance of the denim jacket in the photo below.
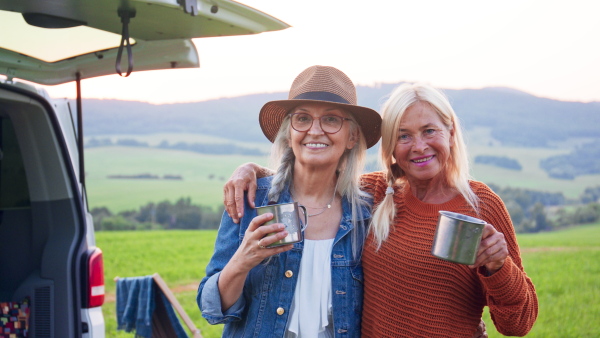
(264, 306)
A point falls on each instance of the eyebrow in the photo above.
(428, 125)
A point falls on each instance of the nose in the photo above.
(419, 144)
(315, 128)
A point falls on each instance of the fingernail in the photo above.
(280, 226)
(239, 215)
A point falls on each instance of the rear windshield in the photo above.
(14, 192)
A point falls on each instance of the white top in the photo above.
(310, 314)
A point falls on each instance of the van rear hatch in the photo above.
(160, 32)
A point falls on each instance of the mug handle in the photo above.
(305, 217)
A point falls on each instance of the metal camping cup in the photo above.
(289, 215)
(457, 237)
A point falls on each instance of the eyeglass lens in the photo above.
(329, 123)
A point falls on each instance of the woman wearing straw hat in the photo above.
(311, 288)
(409, 292)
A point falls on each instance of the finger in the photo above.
(273, 237)
(258, 221)
(492, 249)
(269, 229)
(238, 201)
(229, 202)
(488, 230)
(251, 195)
(280, 249)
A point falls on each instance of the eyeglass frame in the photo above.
(320, 125)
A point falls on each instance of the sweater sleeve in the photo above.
(509, 293)
(374, 184)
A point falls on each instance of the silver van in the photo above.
(48, 255)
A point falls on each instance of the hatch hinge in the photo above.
(189, 6)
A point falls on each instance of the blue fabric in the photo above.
(135, 306)
(173, 317)
(266, 288)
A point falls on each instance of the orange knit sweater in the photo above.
(410, 293)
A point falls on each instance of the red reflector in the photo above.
(96, 279)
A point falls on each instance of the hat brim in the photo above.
(272, 114)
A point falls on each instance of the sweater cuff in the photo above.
(499, 276)
(502, 283)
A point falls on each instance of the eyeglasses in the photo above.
(330, 124)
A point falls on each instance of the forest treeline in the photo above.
(163, 215)
(499, 161)
(201, 148)
(530, 211)
(584, 160)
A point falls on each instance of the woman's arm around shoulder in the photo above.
(374, 183)
(243, 180)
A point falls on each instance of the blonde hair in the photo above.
(456, 170)
(350, 167)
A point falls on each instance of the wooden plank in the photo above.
(171, 297)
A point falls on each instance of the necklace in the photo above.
(328, 206)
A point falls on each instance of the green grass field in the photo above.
(204, 175)
(563, 266)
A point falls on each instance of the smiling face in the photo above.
(314, 147)
(423, 146)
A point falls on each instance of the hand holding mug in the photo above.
(254, 248)
(493, 250)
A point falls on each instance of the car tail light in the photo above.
(95, 279)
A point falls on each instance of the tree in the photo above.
(538, 216)
(117, 223)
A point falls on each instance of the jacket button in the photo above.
(289, 273)
(280, 311)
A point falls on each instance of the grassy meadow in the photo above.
(563, 266)
(204, 175)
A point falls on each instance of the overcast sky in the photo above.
(546, 48)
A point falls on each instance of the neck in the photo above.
(317, 192)
(433, 191)
(314, 184)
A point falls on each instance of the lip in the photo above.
(422, 160)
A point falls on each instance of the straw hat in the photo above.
(321, 84)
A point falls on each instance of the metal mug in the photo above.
(289, 215)
(457, 237)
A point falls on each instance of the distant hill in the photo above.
(514, 117)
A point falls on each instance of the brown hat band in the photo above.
(321, 96)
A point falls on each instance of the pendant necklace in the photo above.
(328, 206)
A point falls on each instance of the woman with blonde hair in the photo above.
(408, 291)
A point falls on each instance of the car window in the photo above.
(14, 191)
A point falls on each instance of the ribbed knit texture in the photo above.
(410, 293)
